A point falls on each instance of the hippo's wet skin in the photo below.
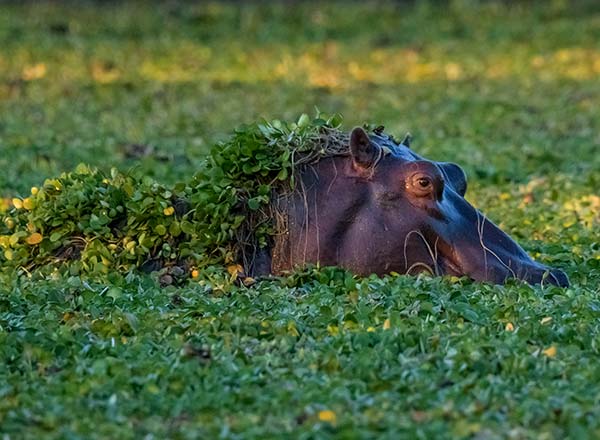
(385, 209)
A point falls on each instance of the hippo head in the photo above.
(383, 208)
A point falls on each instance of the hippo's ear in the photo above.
(364, 152)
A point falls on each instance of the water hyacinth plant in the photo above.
(87, 221)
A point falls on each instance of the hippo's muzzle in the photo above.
(479, 249)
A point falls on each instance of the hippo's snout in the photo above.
(482, 251)
(546, 275)
(561, 278)
(519, 267)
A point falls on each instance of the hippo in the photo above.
(380, 208)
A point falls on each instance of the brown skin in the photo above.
(385, 209)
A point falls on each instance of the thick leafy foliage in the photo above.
(85, 221)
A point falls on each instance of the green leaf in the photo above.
(55, 236)
(254, 203)
(303, 121)
(283, 174)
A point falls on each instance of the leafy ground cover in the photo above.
(90, 222)
(506, 90)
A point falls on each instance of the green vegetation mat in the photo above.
(508, 91)
(90, 222)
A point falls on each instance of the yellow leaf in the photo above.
(509, 327)
(28, 204)
(169, 211)
(195, 273)
(104, 73)
(248, 281)
(34, 190)
(35, 238)
(17, 203)
(327, 416)
(370, 329)
(546, 320)
(387, 324)
(14, 239)
(8, 254)
(152, 388)
(36, 71)
(235, 269)
(550, 351)
(292, 330)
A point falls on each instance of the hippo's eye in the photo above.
(420, 184)
(424, 182)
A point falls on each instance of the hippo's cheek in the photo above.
(427, 207)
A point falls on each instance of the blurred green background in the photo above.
(506, 89)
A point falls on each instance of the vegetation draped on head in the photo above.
(88, 221)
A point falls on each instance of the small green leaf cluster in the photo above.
(232, 194)
(95, 222)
